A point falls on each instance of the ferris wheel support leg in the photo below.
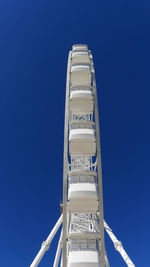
(61, 263)
(46, 243)
(106, 260)
(58, 252)
(118, 246)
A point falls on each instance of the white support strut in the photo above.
(118, 246)
(58, 252)
(106, 260)
(46, 243)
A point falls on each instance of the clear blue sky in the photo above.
(35, 38)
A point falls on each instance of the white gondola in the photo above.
(83, 259)
(80, 57)
(82, 141)
(79, 47)
(82, 194)
(80, 75)
(81, 100)
(82, 198)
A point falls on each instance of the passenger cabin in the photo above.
(82, 192)
(80, 47)
(81, 100)
(83, 253)
(80, 57)
(83, 259)
(80, 75)
(82, 140)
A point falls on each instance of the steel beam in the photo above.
(118, 246)
(65, 166)
(46, 244)
(58, 252)
(99, 171)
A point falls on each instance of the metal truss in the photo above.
(81, 223)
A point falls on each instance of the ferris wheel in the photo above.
(81, 242)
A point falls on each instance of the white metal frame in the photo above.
(46, 244)
(81, 223)
(66, 167)
(99, 167)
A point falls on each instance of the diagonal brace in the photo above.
(118, 246)
(46, 244)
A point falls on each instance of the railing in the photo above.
(82, 179)
(83, 245)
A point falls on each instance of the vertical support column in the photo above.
(65, 166)
(99, 170)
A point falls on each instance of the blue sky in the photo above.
(35, 38)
